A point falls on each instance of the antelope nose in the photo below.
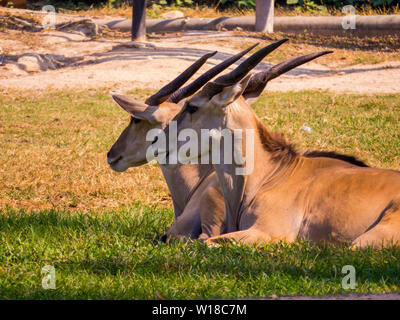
(111, 161)
(112, 158)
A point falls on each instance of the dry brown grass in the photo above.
(54, 144)
(54, 154)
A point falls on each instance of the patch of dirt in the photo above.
(80, 55)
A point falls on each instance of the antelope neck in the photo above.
(183, 181)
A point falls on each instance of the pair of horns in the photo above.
(172, 93)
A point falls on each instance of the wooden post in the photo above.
(139, 20)
(264, 16)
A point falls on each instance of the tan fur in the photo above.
(289, 196)
(191, 186)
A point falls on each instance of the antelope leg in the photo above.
(385, 233)
(186, 226)
(249, 236)
(212, 213)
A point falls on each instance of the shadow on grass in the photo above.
(126, 222)
(130, 252)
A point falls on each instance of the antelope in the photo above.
(287, 196)
(194, 188)
(187, 184)
(191, 186)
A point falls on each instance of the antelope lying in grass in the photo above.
(287, 196)
(194, 188)
(188, 184)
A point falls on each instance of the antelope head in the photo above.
(130, 148)
(225, 103)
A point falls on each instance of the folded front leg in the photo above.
(212, 213)
(249, 236)
(186, 226)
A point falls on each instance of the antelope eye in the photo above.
(191, 109)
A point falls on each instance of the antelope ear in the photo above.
(138, 109)
(230, 94)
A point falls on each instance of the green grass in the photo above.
(61, 205)
(365, 126)
(115, 255)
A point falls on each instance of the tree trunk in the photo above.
(139, 20)
(264, 16)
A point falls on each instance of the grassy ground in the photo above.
(61, 205)
(54, 145)
(115, 255)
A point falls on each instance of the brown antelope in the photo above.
(194, 188)
(287, 196)
(188, 184)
